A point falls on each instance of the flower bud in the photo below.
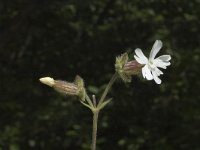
(48, 81)
(76, 88)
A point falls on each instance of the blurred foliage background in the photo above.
(63, 38)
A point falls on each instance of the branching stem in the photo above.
(96, 109)
(112, 80)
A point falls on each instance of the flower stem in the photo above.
(112, 80)
(94, 129)
(88, 100)
(96, 110)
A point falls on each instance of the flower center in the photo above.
(151, 64)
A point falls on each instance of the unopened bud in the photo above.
(76, 88)
(48, 81)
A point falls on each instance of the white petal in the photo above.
(155, 49)
(140, 54)
(147, 73)
(155, 77)
(161, 64)
(139, 60)
(164, 57)
(158, 71)
(143, 73)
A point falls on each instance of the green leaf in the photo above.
(93, 89)
(88, 106)
(104, 104)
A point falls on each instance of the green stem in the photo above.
(88, 100)
(112, 80)
(96, 112)
(94, 129)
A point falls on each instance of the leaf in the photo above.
(104, 104)
(86, 105)
(93, 89)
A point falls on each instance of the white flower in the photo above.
(150, 70)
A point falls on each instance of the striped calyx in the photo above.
(68, 88)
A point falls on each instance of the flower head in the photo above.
(151, 67)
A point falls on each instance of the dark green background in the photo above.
(63, 38)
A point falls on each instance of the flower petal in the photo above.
(143, 73)
(146, 72)
(158, 71)
(155, 77)
(161, 64)
(164, 57)
(155, 49)
(140, 54)
(139, 60)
